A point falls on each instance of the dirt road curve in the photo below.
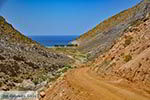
(80, 85)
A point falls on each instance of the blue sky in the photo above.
(60, 17)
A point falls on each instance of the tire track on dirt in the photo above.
(79, 84)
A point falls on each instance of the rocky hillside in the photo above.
(24, 64)
(129, 58)
(102, 37)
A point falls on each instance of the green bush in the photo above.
(136, 23)
(127, 58)
(64, 69)
(35, 81)
(2, 19)
(1, 84)
(72, 45)
(59, 45)
(128, 41)
(17, 80)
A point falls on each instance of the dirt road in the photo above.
(79, 84)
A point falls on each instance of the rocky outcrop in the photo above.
(23, 59)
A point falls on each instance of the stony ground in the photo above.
(26, 64)
(80, 84)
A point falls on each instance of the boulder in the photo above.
(5, 88)
(1, 57)
(27, 85)
(42, 94)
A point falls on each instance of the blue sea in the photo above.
(49, 41)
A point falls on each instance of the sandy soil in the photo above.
(79, 84)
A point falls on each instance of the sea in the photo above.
(49, 41)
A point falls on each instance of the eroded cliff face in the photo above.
(23, 59)
(129, 57)
(101, 38)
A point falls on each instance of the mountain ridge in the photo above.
(101, 38)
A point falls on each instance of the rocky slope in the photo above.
(122, 73)
(129, 58)
(24, 63)
(101, 38)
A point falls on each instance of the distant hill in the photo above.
(24, 61)
(102, 37)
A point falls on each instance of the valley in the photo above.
(110, 62)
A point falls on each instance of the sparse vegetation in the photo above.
(18, 58)
(105, 63)
(2, 58)
(72, 52)
(1, 84)
(72, 45)
(17, 79)
(35, 81)
(64, 69)
(127, 58)
(113, 64)
(122, 54)
(69, 45)
(136, 23)
(59, 45)
(128, 41)
(2, 19)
